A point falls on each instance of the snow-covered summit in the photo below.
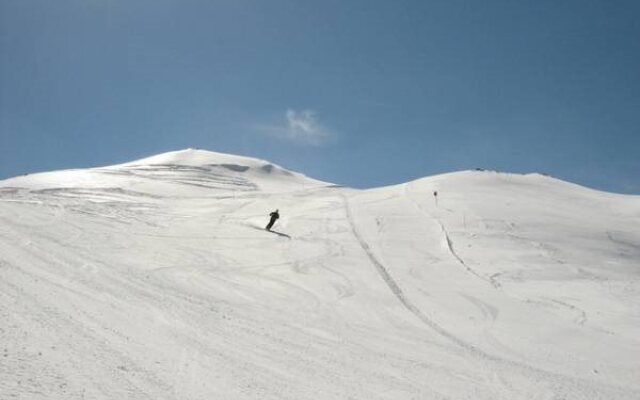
(199, 158)
(189, 172)
(210, 160)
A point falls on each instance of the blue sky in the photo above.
(362, 93)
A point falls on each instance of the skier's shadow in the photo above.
(270, 231)
(280, 234)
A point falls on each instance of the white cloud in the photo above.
(302, 128)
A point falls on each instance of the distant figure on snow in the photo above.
(274, 216)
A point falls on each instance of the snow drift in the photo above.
(155, 279)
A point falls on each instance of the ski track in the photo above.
(398, 293)
(560, 386)
(447, 237)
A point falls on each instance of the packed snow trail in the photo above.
(393, 286)
(156, 280)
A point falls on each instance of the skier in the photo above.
(274, 216)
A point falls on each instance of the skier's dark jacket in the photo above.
(274, 216)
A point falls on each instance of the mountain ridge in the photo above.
(225, 162)
(157, 279)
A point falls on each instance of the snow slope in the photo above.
(155, 280)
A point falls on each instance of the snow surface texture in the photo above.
(156, 280)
